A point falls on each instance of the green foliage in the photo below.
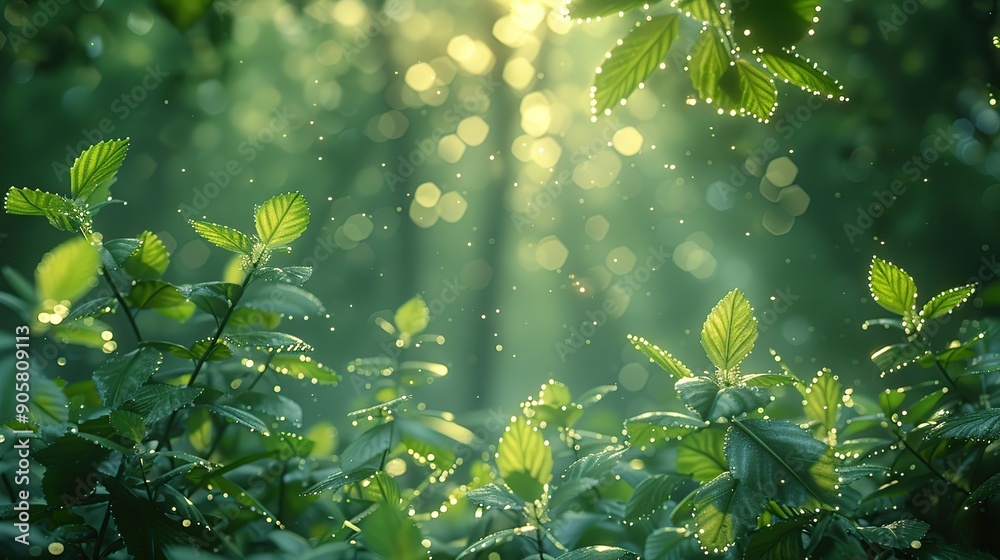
(726, 63)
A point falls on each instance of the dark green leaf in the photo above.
(295, 275)
(129, 424)
(71, 468)
(902, 534)
(95, 166)
(652, 427)
(116, 251)
(147, 533)
(670, 543)
(896, 356)
(632, 61)
(705, 397)
(246, 317)
(600, 552)
(219, 351)
(779, 541)
(158, 401)
(93, 308)
(214, 298)
(496, 539)
(394, 536)
(724, 511)
(338, 480)
(240, 417)
(650, 495)
(161, 296)
(497, 496)
(120, 378)
(773, 25)
(986, 490)
(979, 425)
(235, 492)
(371, 444)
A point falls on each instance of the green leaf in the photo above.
(114, 252)
(584, 9)
(707, 12)
(765, 380)
(985, 491)
(93, 308)
(822, 400)
(224, 237)
(214, 298)
(369, 445)
(670, 543)
(49, 404)
(246, 317)
(157, 401)
(633, 61)
(660, 357)
(599, 552)
(295, 275)
(596, 394)
(979, 425)
(220, 352)
(773, 25)
(380, 488)
(791, 68)
(779, 541)
(71, 468)
(282, 219)
(120, 378)
(240, 417)
(61, 213)
(584, 474)
(709, 61)
(393, 536)
(150, 261)
(652, 427)
(338, 480)
(412, 317)
(496, 539)
(67, 272)
(524, 459)
(712, 402)
(268, 341)
(891, 287)
(161, 296)
(269, 403)
(498, 496)
(650, 495)
(95, 166)
(729, 332)
(857, 472)
(303, 367)
(896, 356)
(145, 530)
(746, 90)
(946, 302)
(724, 511)
(235, 492)
(129, 424)
(780, 461)
(902, 534)
(700, 455)
(926, 407)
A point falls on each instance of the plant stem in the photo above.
(944, 373)
(539, 542)
(930, 467)
(107, 516)
(121, 301)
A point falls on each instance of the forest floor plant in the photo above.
(175, 450)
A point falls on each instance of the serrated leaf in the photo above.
(129, 424)
(159, 295)
(599, 552)
(61, 213)
(584, 9)
(947, 301)
(95, 166)
(633, 61)
(114, 252)
(700, 455)
(707, 12)
(150, 261)
(156, 402)
(241, 417)
(783, 462)
(214, 298)
(219, 351)
(120, 378)
(723, 511)
(710, 59)
(241, 496)
(898, 534)
(670, 543)
(891, 287)
(146, 532)
(793, 69)
(765, 380)
(822, 401)
(712, 402)
(495, 539)
(338, 480)
(303, 367)
(985, 491)
(652, 427)
(498, 496)
(650, 495)
(585, 474)
(281, 219)
(412, 317)
(67, 272)
(978, 425)
(268, 341)
(524, 460)
(224, 237)
(660, 357)
(746, 90)
(729, 332)
(779, 541)
(295, 275)
(93, 308)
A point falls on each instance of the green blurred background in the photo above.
(447, 148)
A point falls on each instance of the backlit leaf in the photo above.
(524, 459)
(95, 166)
(121, 377)
(224, 237)
(729, 331)
(282, 219)
(891, 287)
(150, 261)
(660, 357)
(795, 70)
(633, 61)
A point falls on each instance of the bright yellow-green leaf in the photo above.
(660, 357)
(282, 219)
(795, 70)
(95, 166)
(729, 331)
(412, 317)
(746, 90)
(224, 237)
(891, 287)
(524, 460)
(633, 60)
(709, 61)
(67, 272)
(946, 302)
(59, 211)
(150, 261)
